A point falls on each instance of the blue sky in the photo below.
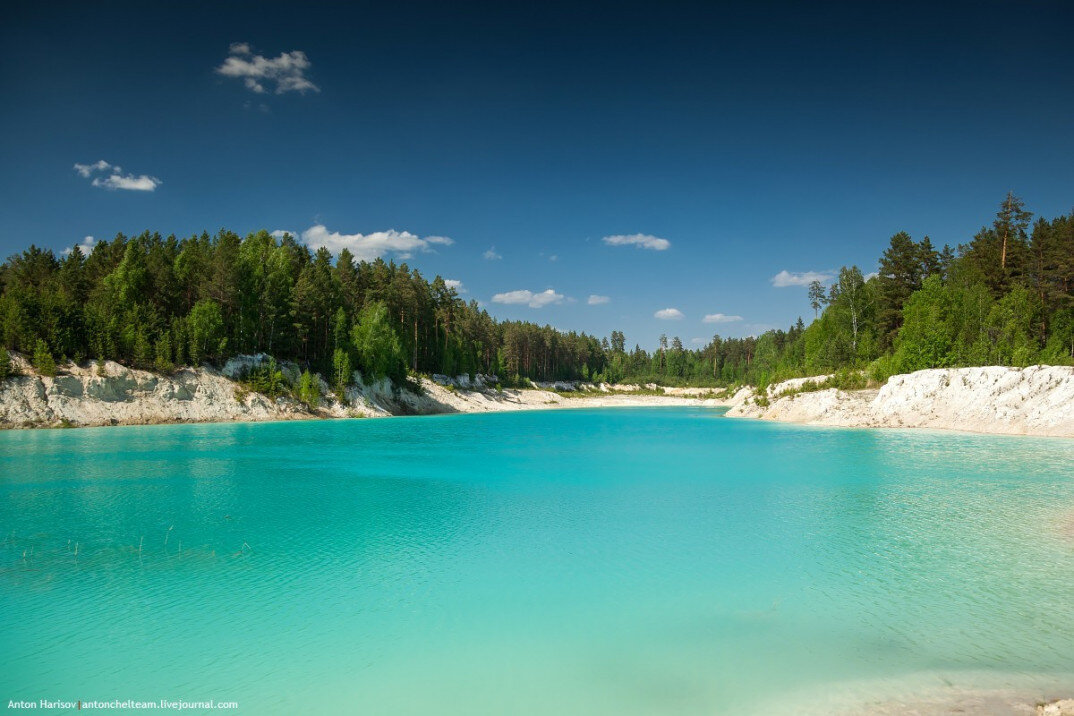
(752, 139)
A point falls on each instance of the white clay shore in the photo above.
(1038, 400)
(113, 394)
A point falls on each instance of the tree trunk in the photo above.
(854, 328)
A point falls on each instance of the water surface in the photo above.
(588, 561)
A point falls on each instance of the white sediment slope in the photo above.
(113, 394)
(1038, 400)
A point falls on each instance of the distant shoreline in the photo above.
(1037, 401)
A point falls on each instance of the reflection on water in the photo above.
(591, 561)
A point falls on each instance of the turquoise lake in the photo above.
(663, 560)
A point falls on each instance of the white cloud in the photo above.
(99, 166)
(720, 318)
(142, 182)
(595, 300)
(669, 314)
(287, 72)
(644, 241)
(491, 254)
(86, 246)
(697, 341)
(367, 247)
(872, 275)
(785, 278)
(529, 298)
(455, 284)
(115, 178)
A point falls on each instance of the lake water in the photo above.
(614, 561)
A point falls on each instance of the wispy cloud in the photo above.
(285, 73)
(366, 247)
(110, 176)
(491, 254)
(669, 314)
(86, 246)
(99, 166)
(529, 298)
(455, 284)
(785, 278)
(720, 318)
(595, 300)
(642, 241)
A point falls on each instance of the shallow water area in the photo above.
(661, 560)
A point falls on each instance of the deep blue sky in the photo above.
(755, 137)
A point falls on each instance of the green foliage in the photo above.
(42, 361)
(341, 370)
(266, 379)
(205, 326)
(926, 337)
(904, 265)
(1060, 347)
(164, 354)
(6, 368)
(309, 390)
(1009, 328)
(843, 379)
(847, 379)
(379, 350)
(882, 368)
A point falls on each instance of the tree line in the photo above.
(1006, 297)
(157, 303)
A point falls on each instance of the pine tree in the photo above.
(42, 361)
(1011, 222)
(902, 267)
(816, 297)
(309, 390)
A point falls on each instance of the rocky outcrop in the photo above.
(112, 394)
(1038, 400)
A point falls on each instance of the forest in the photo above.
(1003, 298)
